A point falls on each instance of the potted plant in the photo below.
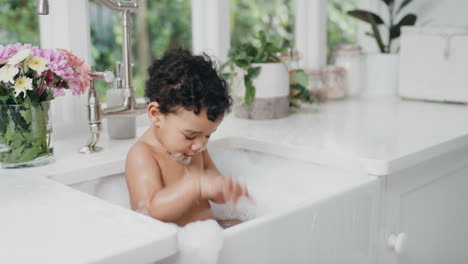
(30, 78)
(259, 79)
(382, 68)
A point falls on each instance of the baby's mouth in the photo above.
(181, 158)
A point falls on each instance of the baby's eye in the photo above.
(190, 138)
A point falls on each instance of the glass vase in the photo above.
(25, 135)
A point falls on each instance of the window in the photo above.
(249, 17)
(19, 22)
(158, 26)
(277, 18)
(341, 28)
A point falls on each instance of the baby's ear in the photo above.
(153, 113)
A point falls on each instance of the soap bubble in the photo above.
(199, 243)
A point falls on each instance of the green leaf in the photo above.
(374, 20)
(366, 16)
(20, 124)
(16, 153)
(228, 75)
(249, 91)
(262, 37)
(30, 154)
(16, 142)
(10, 131)
(250, 50)
(408, 20)
(4, 99)
(3, 119)
(299, 77)
(254, 72)
(242, 63)
(26, 115)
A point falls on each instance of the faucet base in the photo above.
(89, 150)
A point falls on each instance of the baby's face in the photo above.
(184, 134)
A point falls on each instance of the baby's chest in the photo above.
(176, 171)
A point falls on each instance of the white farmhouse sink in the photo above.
(306, 213)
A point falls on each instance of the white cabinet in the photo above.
(425, 214)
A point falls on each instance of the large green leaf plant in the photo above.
(393, 27)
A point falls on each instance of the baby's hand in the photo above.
(222, 189)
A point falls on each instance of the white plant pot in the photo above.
(271, 93)
(380, 74)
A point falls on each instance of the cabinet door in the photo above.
(429, 206)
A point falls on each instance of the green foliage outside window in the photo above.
(341, 28)
(19, 22)
(274, 17)
(168, 25)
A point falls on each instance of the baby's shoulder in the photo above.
(141, 152)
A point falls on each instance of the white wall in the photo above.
(210, 28)
(438, 12)
(67, 27)
(429, 12)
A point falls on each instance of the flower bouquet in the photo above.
(30, 77)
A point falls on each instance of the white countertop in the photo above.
(379, 135)
(41, 219)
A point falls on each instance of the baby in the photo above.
(169, 172)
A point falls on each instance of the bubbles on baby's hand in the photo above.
(244, 210)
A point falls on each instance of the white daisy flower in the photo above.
(7, 73)
(22, 84)
(37, 63)
(19, 56)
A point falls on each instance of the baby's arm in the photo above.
(231, 190)
(147, 191)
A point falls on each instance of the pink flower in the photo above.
(58, 92)
(5, 54)
(9, 50)
(65, 70)
(80, 81)
(57, 62)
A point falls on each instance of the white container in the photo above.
(434, 63)
(271, 93)
(334, 82)
(380, 75)
(273, 80)
(349, 57)
(119, 127)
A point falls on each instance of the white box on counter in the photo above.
(434, 64)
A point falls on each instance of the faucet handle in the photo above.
(118, 69)
(107, 76)
(119, 75)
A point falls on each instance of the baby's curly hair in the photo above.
(182, 79)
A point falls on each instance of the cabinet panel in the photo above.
(429, 204)
(435, 218)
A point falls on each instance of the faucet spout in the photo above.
(124, 111)
(42, 7)
(128, 107)
(119, 6)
